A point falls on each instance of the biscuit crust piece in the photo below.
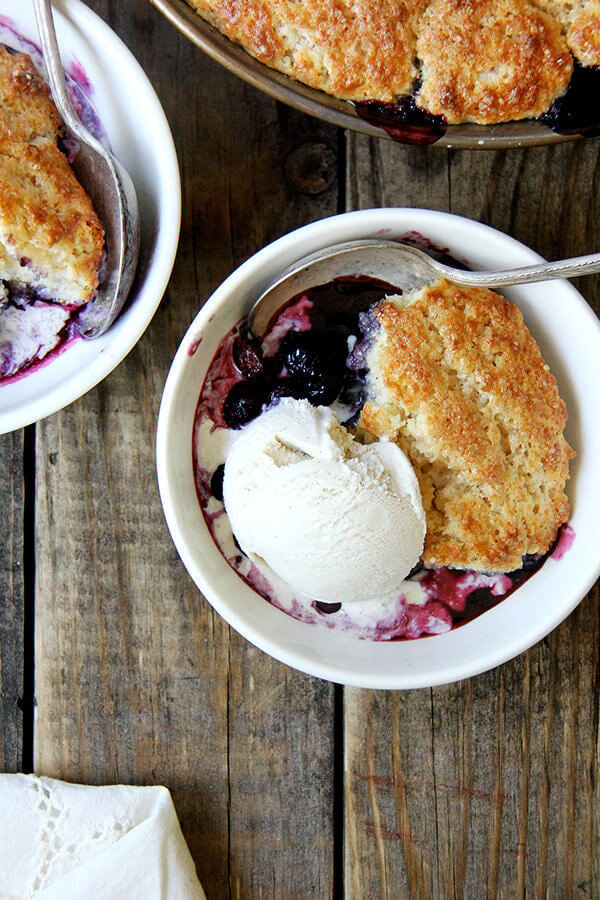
(51, 240)
(580, 20)
(459, 383)
(354, 49)
(490, 61)
(26, 108)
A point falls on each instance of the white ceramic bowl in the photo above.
(140, 137)
(569, 336)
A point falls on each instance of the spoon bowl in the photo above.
(403, 265)
(109, 187)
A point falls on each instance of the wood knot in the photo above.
(311, 168)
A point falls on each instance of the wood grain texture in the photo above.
(11, 600)
(484, 788)
(488, 787)
(137, 679)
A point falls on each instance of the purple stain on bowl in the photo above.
(416, 239)
(79, 85)
(80, 77)
(566, 539)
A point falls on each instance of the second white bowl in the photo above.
(569, 336)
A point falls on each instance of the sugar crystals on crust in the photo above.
(458, 382)
(580, 20)
(490, 61)
(355, 49)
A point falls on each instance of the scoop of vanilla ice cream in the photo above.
(337, 520)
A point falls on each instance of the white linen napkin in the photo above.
(62, 841)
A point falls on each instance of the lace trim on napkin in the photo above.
(56, 853)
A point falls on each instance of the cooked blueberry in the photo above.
(286, 387)
(247, 357)
(244, 402)
(327, 608)
(309, 356)
(531, 561)
(302, 355)
(403, 120)
(323, 391)
(216, 482)
(353, 394)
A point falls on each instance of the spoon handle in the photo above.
(108, 185)
(564, 268)
(56, 73)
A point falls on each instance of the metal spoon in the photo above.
(109, 187)
(403, 265)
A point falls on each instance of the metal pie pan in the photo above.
(526, 133)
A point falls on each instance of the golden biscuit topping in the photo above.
(458, 382)
(51, 239)
(354, 49)
(490, 62)
(580, 22)
(26, 109)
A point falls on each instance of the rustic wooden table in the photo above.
(113, 668)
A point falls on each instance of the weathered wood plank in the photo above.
(487, 787)
(137, 679)
(382, 174)
(11, 600)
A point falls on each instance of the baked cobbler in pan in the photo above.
(480, 61)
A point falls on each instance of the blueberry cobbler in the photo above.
(413, 67)
(51, 241)
(391, 465)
